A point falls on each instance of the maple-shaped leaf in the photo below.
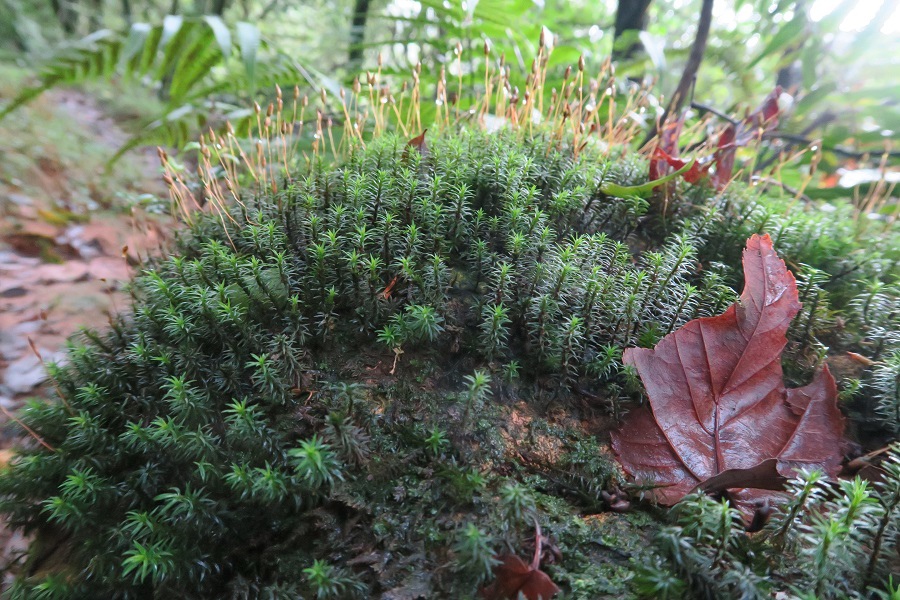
(718, 408)
(514, 579)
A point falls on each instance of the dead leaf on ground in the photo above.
(513, 579)
(417, 587)
(717, 400)
(418, 144)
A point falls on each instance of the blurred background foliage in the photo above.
(206, 61)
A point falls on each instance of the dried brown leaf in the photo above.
(718, 406)
(513, 579)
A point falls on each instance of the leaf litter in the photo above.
(719, 417)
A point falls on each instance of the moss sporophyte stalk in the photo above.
(368, 367)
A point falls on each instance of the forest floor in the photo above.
(71, 235)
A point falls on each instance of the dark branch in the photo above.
(766, 182)
(689, 76)
(358, 32)
(631, 15)
(800, 140)
(714, 111)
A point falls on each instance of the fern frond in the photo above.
(186, 60)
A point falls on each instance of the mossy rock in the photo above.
(368, 383)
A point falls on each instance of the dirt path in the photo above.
(61, 273)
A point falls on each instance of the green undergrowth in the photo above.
(829, 540)
(374, 380)
(54, 157)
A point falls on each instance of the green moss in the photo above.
(316, 398)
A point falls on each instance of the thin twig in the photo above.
(845, 152)
(767, 181)
(59, 393)
(536, 561)
(715, 111)
(689, 76)
(27, 428)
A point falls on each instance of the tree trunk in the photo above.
(67, 17)
(96, 15)
(631, 15)
(126, 12)
(790, 76)
(219, 7)
(358, 31)
(269, 8)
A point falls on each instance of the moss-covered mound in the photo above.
(372, 382)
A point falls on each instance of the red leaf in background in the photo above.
(763, 119)
(666, 147)
(717, 400)
(513, 577)
(766, 116)
(697, 171)
(724, 157)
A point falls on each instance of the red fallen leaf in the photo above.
(390, 287)
(513, 579)
(667, 146)
(717, 401)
